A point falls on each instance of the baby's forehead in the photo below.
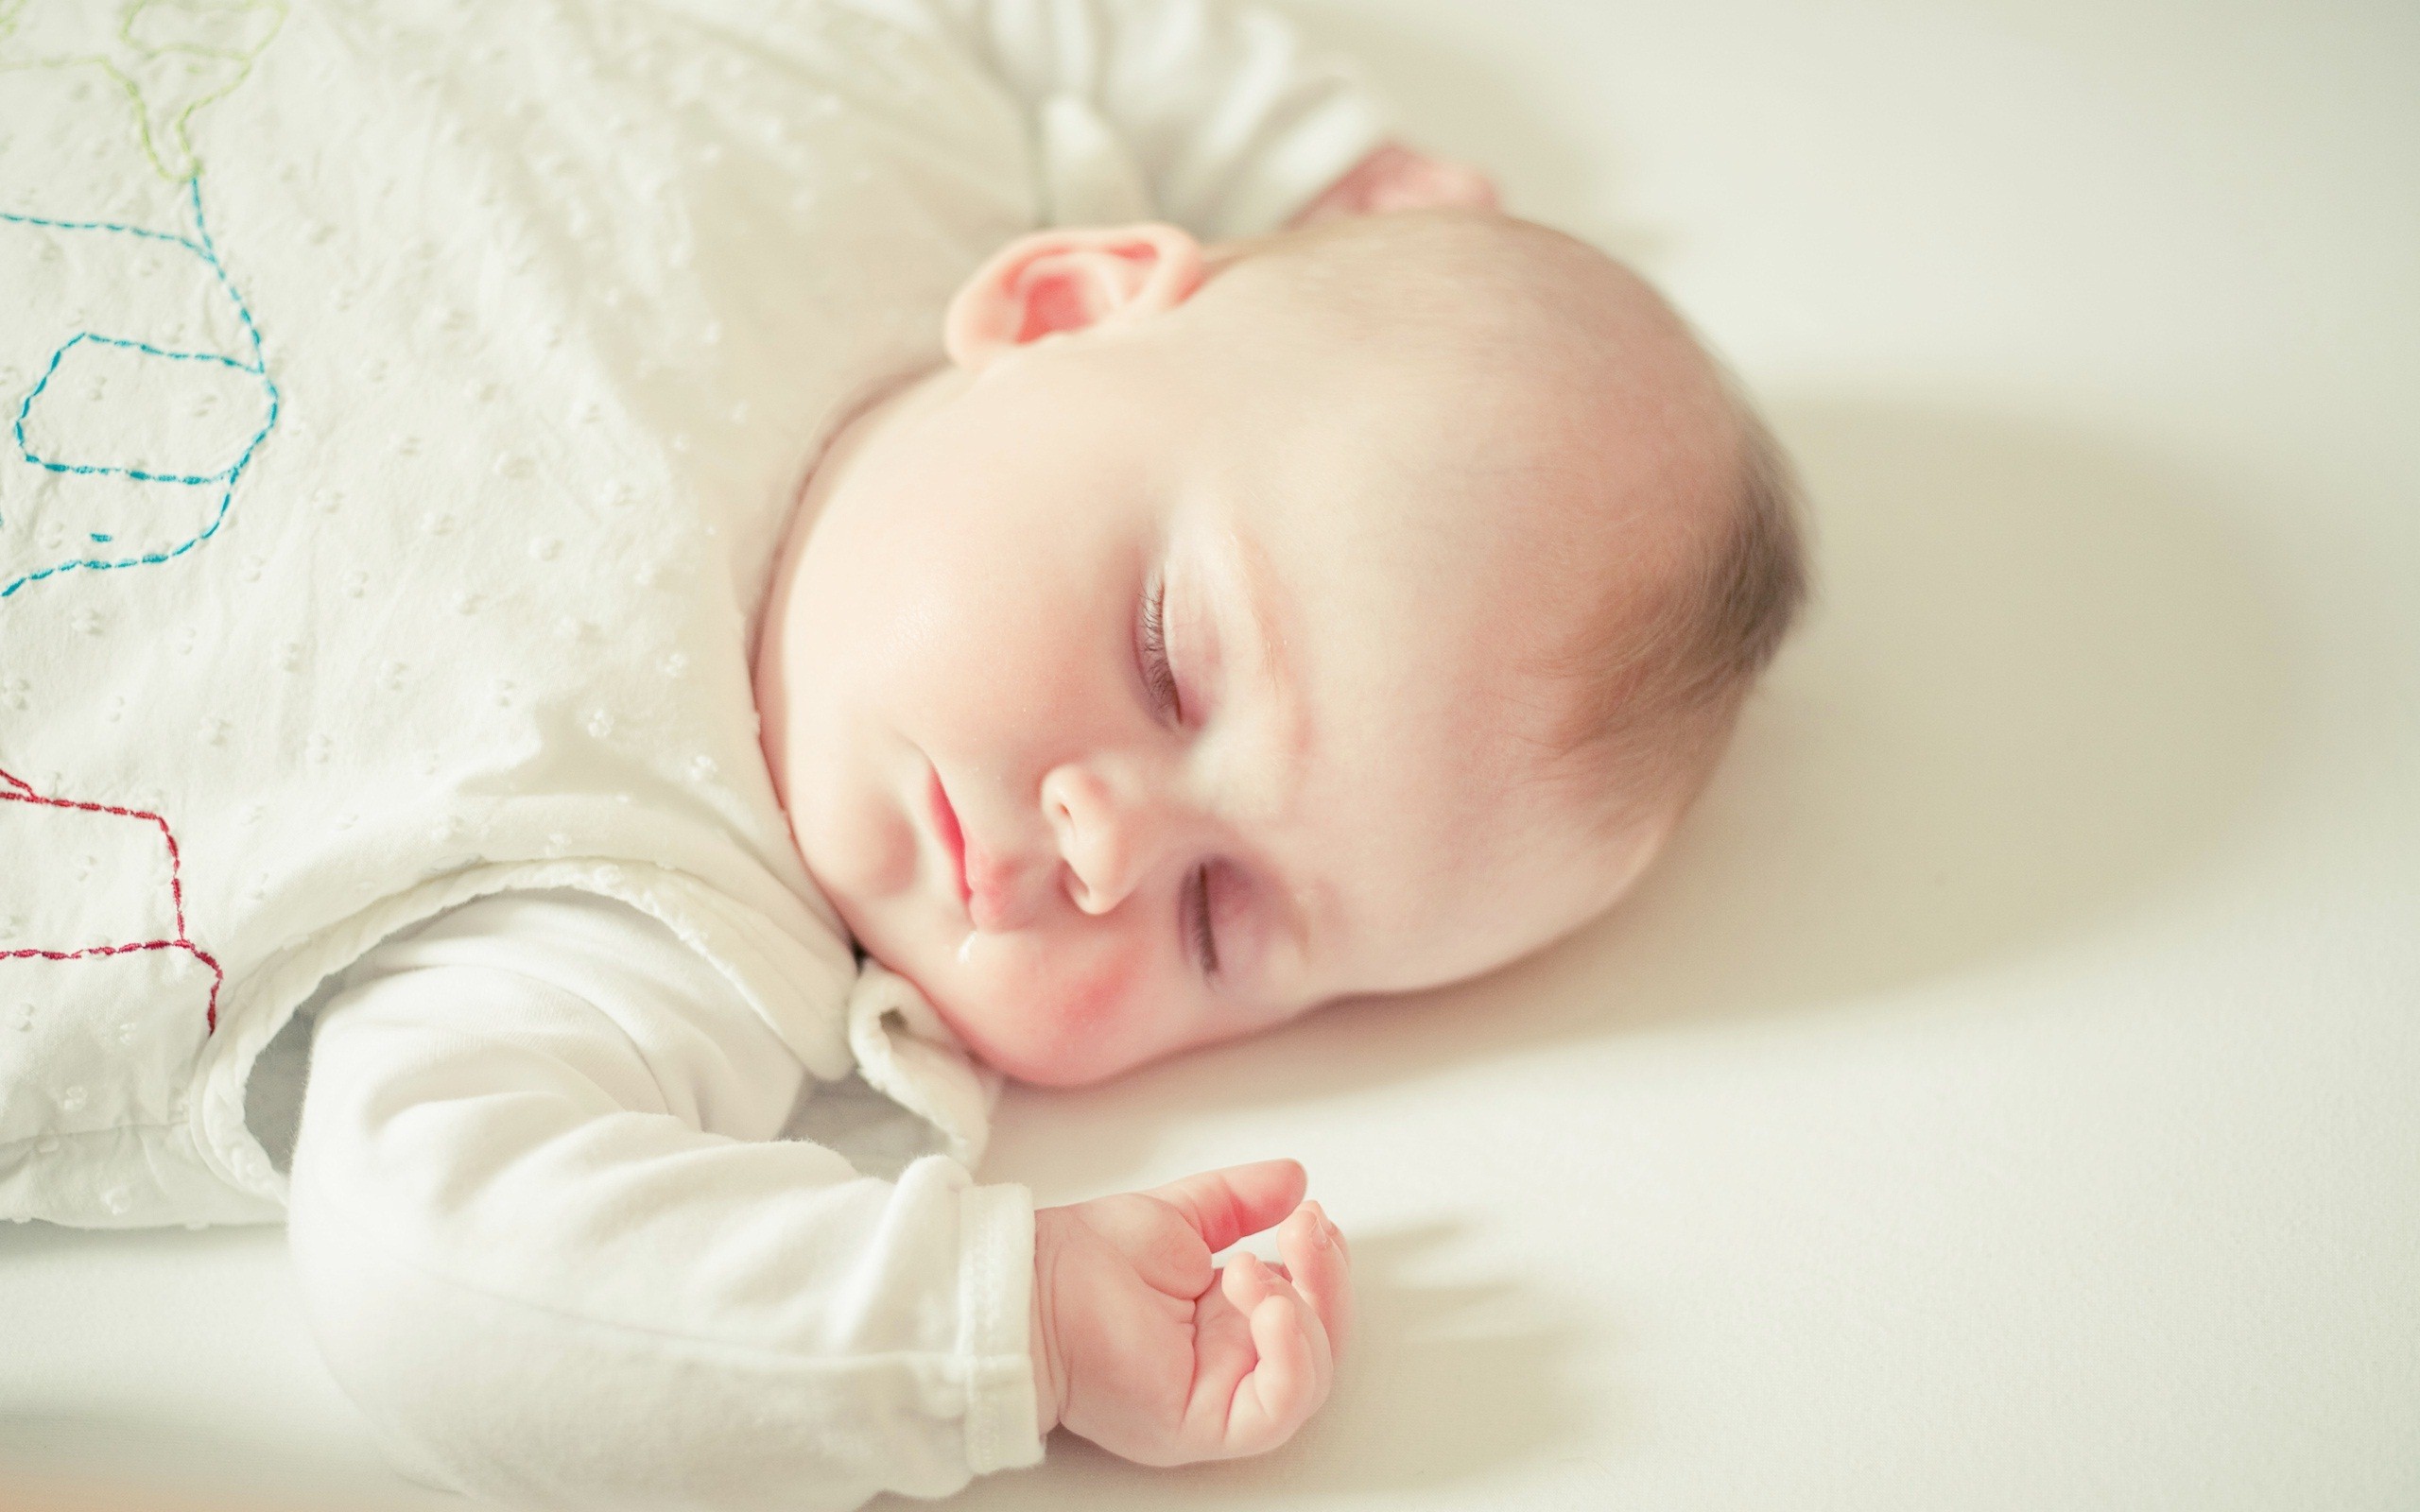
(1412, 741)
(1461, 556)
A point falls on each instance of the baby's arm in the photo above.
(1233, 123)
(1396, 177)
(549, 1241)
(1144, 1348)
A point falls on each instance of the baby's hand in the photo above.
(1397, 178)
(1145, 1347)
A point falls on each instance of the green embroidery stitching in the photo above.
(169, 58)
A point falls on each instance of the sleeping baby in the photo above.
(611, 612)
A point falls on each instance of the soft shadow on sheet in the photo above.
(2044, 686)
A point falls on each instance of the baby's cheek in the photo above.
(1090, 1027)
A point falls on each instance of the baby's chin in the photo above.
(983, 1023)
(1004, 1037)
(1007, 1031)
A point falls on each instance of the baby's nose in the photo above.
(1108, 842)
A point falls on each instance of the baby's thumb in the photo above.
(1224, 1205)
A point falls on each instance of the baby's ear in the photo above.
(1069, 278)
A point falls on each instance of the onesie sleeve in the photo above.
(550, 1241)
(1231, 121)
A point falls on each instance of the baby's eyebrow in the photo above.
(1307, 910)
(1265, 615)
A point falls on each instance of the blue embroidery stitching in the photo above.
(25, 449)
(208, 251)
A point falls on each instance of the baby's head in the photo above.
(1375, 595)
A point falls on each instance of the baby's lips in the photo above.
(991, 891)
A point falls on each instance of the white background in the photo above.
(2009, 1094)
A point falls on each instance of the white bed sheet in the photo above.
(2006, 1096)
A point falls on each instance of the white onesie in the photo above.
(551, 1240)
(403, 401)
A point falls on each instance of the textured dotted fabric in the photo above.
(403, 403)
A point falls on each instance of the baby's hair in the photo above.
(1649, 685)
(1654, 695)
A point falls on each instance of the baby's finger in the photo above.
(1294, 1240)
(1225, 1206)
(1469, 188)
(1248, 1282)
(1320, 1270)
(1283, 1387)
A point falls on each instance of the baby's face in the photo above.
(1140, 688)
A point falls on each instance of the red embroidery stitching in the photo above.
(26, 794)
